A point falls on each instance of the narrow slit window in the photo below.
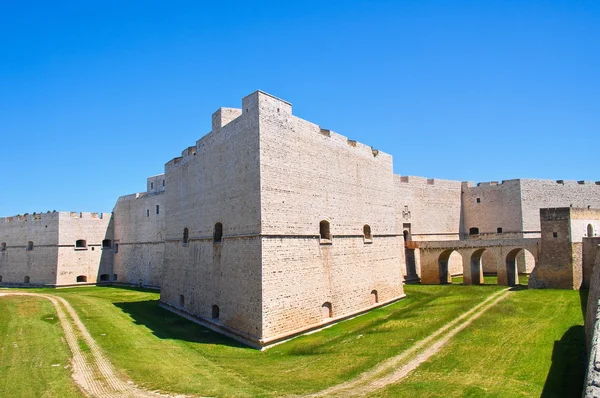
(185, 236)
(367, 233)
(218, 234)
(324, 230)
(157, 209)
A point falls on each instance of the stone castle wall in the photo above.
(18, 262)
(537, 194)
(139, 234)
(217, 181)
(561, 263)
(430, 207)
(309, 175)
(90, 261)
(489, 206)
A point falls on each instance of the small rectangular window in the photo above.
(147, 212)
(555, 234)
(478, 200)
(151, 185)
(163, 183)
(157, 209)
(116, 247)
(499, 230)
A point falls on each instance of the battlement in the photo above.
(260, 102)
(86, 215)
(416, 181)
(31, 217)
(496, 183)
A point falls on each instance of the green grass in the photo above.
(531, 344)
(506, 352)
(173, 354)
(34, 357)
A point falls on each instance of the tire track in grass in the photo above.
(394, 369)
(93, 373)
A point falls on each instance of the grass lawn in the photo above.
(34, 357)
(531, 344)
(507, 351)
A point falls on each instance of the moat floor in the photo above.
(446, 341)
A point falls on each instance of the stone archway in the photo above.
(476, 268)
(444, 272)
(512, 275)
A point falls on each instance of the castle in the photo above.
(270, 226)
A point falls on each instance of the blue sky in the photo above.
(96, 96)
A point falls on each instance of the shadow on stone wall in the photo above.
(565, 378)
(583, 299)
(167, 325)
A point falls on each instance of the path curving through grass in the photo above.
(92, 371)
(398, 367)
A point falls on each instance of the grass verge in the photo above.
(34, 357)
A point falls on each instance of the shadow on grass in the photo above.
(518, 288)
(565, 377)
(167, 325)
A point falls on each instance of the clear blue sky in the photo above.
(95, 97)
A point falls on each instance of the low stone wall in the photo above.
(592, 332)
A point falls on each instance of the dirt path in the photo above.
(92, 371)
(392, 370)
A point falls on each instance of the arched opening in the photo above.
(326, 310)
(186, 233)
(525, 262)
(218, 235)
(512, 276)
(106, 244)
(26, 279)
(367, 232)
(324, 230)
(590, 230)
(455, 265)
(476, 267)
(2, 246)
(29, 246)
(104, 278)
(444, 273)
(474, 231)
(81, 278)
(80, 244)
(374, 297)
(114, 277)
(215, 312)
